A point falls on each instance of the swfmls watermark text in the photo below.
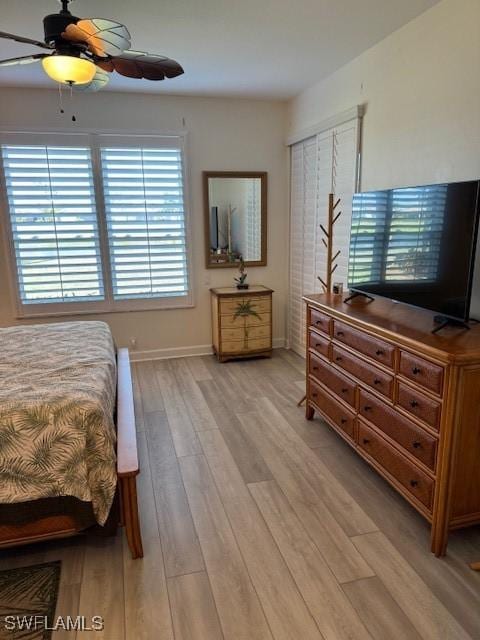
(61, 623)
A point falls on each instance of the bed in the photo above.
(68, 454)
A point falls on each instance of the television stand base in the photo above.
(356, 294)
(443, 321)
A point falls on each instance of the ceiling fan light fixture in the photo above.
(69, 70)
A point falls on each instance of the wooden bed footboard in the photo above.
(127, 455)
(61, 525)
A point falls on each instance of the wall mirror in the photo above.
(235, 218)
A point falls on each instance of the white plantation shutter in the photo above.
(321, 164)
(145, 215)
(52, 212)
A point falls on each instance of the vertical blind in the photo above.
(64, 253)
(53, 219)
(144, 206)
(320, 165)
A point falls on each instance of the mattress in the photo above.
(57, 400)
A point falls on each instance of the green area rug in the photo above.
(28, 597)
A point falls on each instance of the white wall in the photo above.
(227, 135)
(421, 88)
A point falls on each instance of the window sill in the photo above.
(126, 306)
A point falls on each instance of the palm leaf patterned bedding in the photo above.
(57, 396)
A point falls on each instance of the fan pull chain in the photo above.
(74, 119)
(60, 98)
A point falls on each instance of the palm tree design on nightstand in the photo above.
(245, 310)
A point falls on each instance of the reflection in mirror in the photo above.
(235, 217)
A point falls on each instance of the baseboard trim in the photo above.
(184, 352)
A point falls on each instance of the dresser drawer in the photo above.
(320, 321)
(342, 417)
(259, 305)
(425, 373)
(319, 343)
(419, 405)
(242, 346)
(379, 380)
(250, 321)
(261, 331)
(405, 472)
(370, 346)
(411, 437)
(342, 386)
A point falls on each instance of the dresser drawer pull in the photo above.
(377, 381)
(338, 358)
(318, 344)
(413, 404)
(343, 420)
(340, 334)
(318, 322)
(414, 483)
(379, 352)
(367, 408)
(416, 444)
(344, 390)
(416, 371)
(366, 441)
(314, 394)
(315, 368)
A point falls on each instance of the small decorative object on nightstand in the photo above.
(241, 284)
(241, 322)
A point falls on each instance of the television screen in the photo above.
(416, 245)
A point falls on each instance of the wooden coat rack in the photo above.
(328, 242)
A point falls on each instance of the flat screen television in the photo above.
(417, 245)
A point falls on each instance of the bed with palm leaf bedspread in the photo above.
(57, 399)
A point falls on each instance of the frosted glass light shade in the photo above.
(69, 69)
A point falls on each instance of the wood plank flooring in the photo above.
(259, 525)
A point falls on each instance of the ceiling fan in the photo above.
(83, 51)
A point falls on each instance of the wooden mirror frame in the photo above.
(263, 213)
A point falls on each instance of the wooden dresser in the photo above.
(406, 400)
(241, 322)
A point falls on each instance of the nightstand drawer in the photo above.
(258, 305)
(262, 331)
(231, 321)
(245, 346)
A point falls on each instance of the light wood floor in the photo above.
(260, 525)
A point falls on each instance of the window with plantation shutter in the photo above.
(53, 220)
(145, 215)
(95, 222)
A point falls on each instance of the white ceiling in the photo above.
(251, 48)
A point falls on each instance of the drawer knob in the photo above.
(314, 394)
(344, 390)
(315, 368)
(413, 404)
(318, 322)
(377, 381)
(414, 483)
(379, 352)
(367, 408)
(343, 420)
(416, 371)
(340, 334)
(338, 358)
(416, 444)
(318, 344)
(366, 441)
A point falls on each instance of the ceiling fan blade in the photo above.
(12, 36)
(103, 37)
(137, 64)
(100, 79)
(23, 60)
